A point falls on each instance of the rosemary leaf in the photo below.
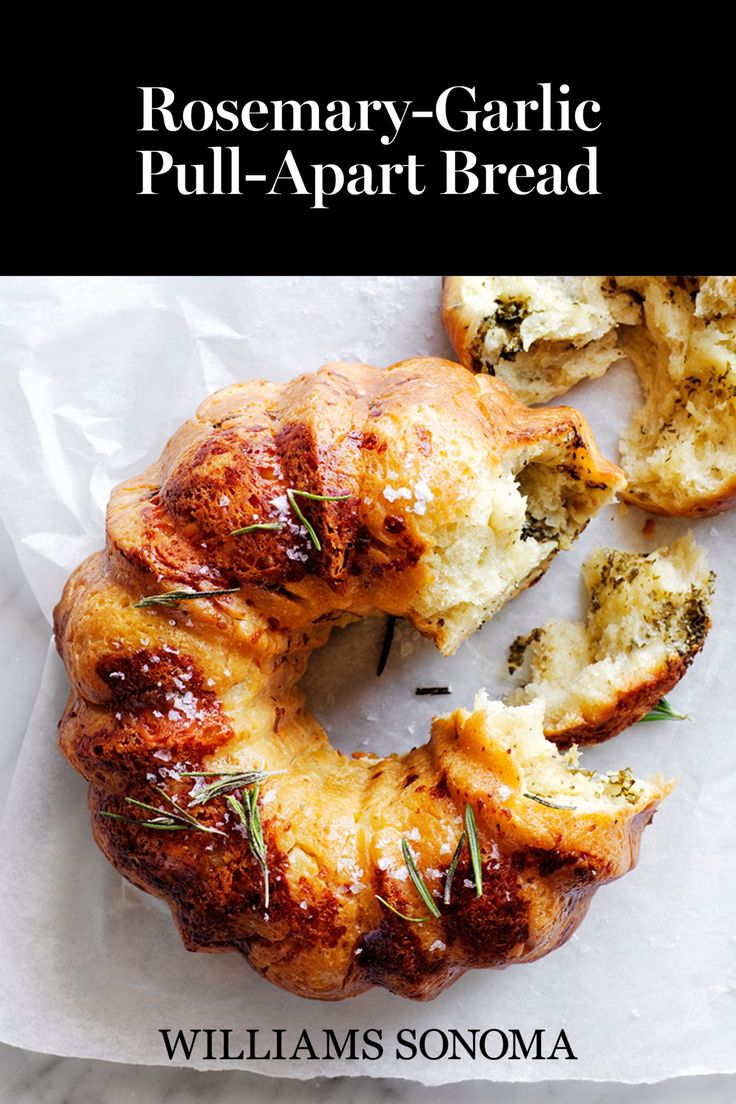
(163, 826)
(173, 597)
(291, 495)
(474, 847)
(229, 780)
(388, 639)
(211, 774)
(432, 690)
(180, 815)
(418, 880)
(184, 815)
(252, 528)
(547, 802)
(144, 805)
(452, 868)
(411, 919)
(247, 812)
(319, 497)
(663, 711)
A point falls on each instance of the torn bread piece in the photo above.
(647, 620)
(543, 334)
(549, 832)
(679, 450)
(540, 334)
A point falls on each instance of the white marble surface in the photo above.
(29, 1078)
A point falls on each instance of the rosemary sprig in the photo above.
(291, 495)
(547, 802)
(247, 812)
(452, 868)
(418, 880)
(261, 525)
(228, 780)
(178, 821)
(663, 711)
(388, 639)
(474, 847)
(411, 919)
(173, 597)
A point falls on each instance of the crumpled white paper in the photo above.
(96, 374)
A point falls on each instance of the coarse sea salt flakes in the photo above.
(391, 495)
(422, 491)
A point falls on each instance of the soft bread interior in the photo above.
(680, 447)
(543, 334)
(501, 537)
(553, 778)
(648, 616)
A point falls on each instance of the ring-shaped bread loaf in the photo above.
(438, 496)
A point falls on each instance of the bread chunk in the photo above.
(543, 334)
(648, 618)
(540, 334)
(679, 450)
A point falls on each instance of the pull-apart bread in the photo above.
(287, 509)
(542, 334)
(648, 617)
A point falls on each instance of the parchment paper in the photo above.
(96, 374)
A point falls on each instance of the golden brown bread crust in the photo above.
(212, 684)
(628, 708)
(694, 507)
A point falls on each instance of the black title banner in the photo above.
(294, 153)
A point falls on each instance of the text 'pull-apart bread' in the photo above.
(542, 334)
(278, 512)
(648, 617)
